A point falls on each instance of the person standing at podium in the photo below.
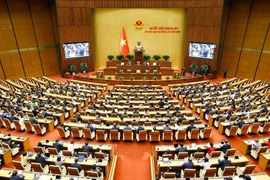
(138, 47)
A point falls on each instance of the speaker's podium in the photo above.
(138, 56)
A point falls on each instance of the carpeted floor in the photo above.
(133, 157)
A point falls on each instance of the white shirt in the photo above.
(71, 147)
(21, 121)
(205, 165)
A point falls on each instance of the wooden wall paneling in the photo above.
(234, 39)
(24, 32)
(44, 32)
(9, 54)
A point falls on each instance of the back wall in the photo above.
(108, 24)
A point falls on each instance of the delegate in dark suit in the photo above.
(224, 163)
(40, 159)
(140, 128)
(76, 165)
(225, 147)
(188, 165)
(58, 146)
(88, 149)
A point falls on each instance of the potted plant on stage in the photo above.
(84, 67)
(121, 78)
(109, 77)
(72, 69)
(110, 57)
(131, 78)
(168, 78)
(204, 69)
(193, 68)
(146, 58)
(166, 57)
(155, 78)
(156, 57)
(119, 57)
(130, 57)
(144, 78)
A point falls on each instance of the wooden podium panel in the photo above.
(136, 76)
(134, 68)
(138, 56)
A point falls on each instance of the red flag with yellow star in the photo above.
(124, 49)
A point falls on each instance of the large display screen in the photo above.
(201, 50)
(76, 49)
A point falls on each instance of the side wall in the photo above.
(27, 46)
(246, 48)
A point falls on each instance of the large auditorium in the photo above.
(134, 90)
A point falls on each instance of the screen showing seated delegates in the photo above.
(201, 50)
(76, 49)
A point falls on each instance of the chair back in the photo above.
(262, 150)
(61, 131)
(230, 152)
(221, 120)
(87, 133)
(92, 174)
(229, 171)
(114, 135)
(54, 169)
(40, 116)
(181, 135)
(67, 153)
(7, 122)
(194, 133)
(36, 167)
(17, 124)
(169, 156)
(52, 151)
(18, 165)
(210, 172)
(75, 132)
(255, 127)
(73, 171)
(73, 120)
(128, 135)
(2, 124)
(83, 154)
(169, 175)
(266, 127)
(190, 173)
(244, 129)
(99, 155)
(249, 169)
(155, 136)
(182, 155)
(167, 135)
(38, 149)
(233, 130)
(216, 154)
(207, 133)
(143, 135)
(198, 155)
(100, 135)
(37, 128)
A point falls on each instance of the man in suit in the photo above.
(190, 127)
(115, 127)
(96, 169)
(224, 163)
(127, 127)
(140, 128)
(91, 127)
(86, 148)
(57, 145)
(161, 104)
(76, 165)
(240, 123)
(181, 148)
(225, 146)
(15, 176)
(40, 159)
(166, 127)
(188, 165)
(33, 120)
